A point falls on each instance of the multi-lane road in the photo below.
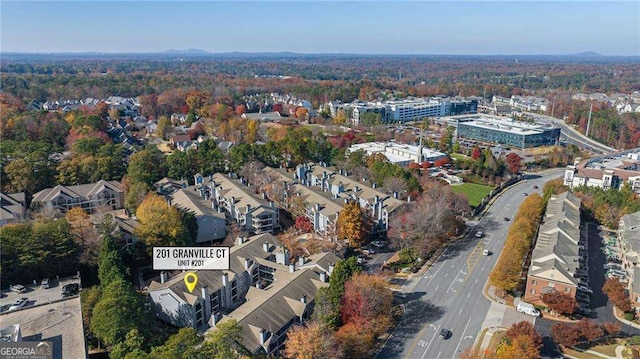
(449, 295)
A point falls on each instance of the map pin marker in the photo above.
(191, 279)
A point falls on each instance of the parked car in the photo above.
(585, 289)
(19, 303)
(445, 333)
(18, 288)
(70, 289)
(377, 244)
(535, 187)
(399, 294)
(479, 234)
(44, 284)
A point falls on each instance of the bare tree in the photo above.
(395, 185)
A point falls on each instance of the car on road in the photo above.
(525, 194)
(486, 252)
(70, 289)
(18, 288)
(19, 303)
(507, 219)
(444, 333)
(45, 284)
(479, 234)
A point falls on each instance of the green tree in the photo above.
(135, 195)
(110, 267)
(327, 308)
(147, 166)
(133, 342)
(182, 345)
(163, 128)
(225, 342)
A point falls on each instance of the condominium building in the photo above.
(629, 241)
(102, 195)
(606, 172)
(263, 290)
(12, 208)
(506, 131)
(558, 261)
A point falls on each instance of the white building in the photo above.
(606, 172)
(397, 153)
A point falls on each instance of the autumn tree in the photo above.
(521, 346)
(225, 342)
(615, 290)
(367, 301)
(327, 306)
(525, 328)
(611, 328)
(589, 330)
(356, 340)
(163, 127)
(160, 223)
(559, 302)
(85, 233)
(567, 335)
(351, 224)
(303, 224)
(312, 340)
(147, 166)
(135, 194)
(513, 162)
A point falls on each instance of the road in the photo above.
(449, 295)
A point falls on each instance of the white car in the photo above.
(19, 303)
(486, 252)
(479, 234)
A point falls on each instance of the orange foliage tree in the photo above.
(312, 340)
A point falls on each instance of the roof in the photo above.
(503, 125)
(621, 164)
(243, 194)
(188, 199)
(556, 249)
(78, 191)
(12, 205)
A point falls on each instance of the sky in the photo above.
(359, 27)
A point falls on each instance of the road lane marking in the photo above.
(460, 312)
(431, 341)
(469, 295)
(455, 352)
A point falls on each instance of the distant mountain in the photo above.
(588, 54)
(187, 51)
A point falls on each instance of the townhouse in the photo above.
(12, 208)
(558, 260)
(264, 290)
(606, 172)
(629, 240)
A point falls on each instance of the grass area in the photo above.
(581, 355)
(459, 156)
(608, 349)
(474, 192)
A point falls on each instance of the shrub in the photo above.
(629, 316)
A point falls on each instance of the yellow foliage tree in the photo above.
(160, 224)
(311, 341)
(351, 224)
(522, 346)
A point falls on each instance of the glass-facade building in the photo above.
(508, 132)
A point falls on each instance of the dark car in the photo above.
(507, 219)
(445, 333)
(70, 289)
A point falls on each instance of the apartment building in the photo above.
(606, 172)
(558, 261)
(12, 208)
(102, 195)
(263, 290)
(240, 202)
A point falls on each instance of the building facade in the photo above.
(398, 153)
(629, 242)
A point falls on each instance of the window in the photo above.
(551, 284)
(534, 282)
(567, 289)
(533, 291)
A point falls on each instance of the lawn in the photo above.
(474, 192)
(459, 156)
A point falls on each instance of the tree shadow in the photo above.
(417, 315)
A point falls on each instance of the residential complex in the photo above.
(606, 172)
(558, 261)
(629, 241)
(409, 109)
(398, 153)
(506, 131)
(323, 192)
(91, 197)
(263, 290)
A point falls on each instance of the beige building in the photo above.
(629, 240)
(12, 209)
(107, 195)
(606, 172)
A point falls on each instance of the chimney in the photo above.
(303, 299)
(264, 195)
(247, 263)
(259, 284)
(292, 268)
(317, 207)
(375, 185)
(408, 199)
(331, 266)
(215, 318)
(248, 208)
(207, 301)
(233, 200)
(301, 261)
(357, 189)
(164, 276)
(265, 246)
(395, 195)
(323, 277)
(376, 199)
(225, 279)
(239, 240)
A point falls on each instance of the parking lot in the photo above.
(37, 295)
